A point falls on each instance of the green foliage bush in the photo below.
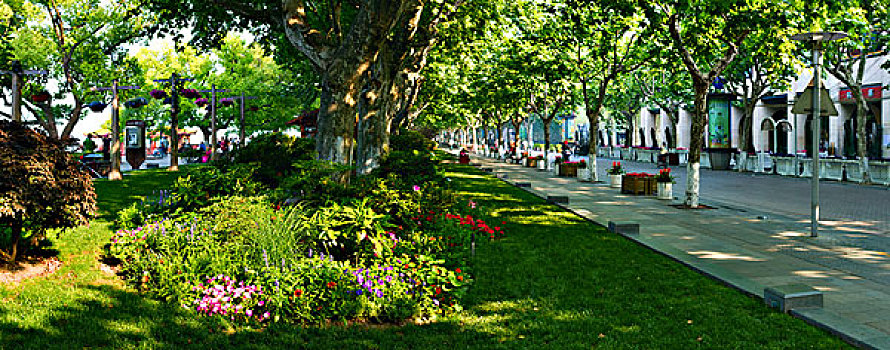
(275, 155)
(198, 188)
(41, 187)
(339, 261)
(314, 180)
(409, 140)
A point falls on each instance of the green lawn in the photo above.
(555, 281)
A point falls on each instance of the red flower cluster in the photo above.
(639, 175)
(479, 225)
(332, 284)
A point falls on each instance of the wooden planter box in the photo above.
(568, 170)
(639, 185)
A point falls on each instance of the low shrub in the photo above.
(274, 155)
(198, 188)
(41, 187)
(411, 166)
(409, 140)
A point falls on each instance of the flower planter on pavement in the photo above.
(638, 185)
(568, 169)
(665, 190)
(615, 181)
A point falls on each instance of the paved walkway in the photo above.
(748, 247)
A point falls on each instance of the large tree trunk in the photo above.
(396, 73)
(343, 70)
(373, 130)
(697, 129)
(337, 116)
(15, 240)
(593, 118)
(862, 114)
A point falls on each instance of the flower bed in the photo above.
(229, 240)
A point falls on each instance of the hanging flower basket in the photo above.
(168, 101)
(227, 102)
(97, 106)
(138, 102)
(190, 93)
(158, 94)
(40, 97)
(201, 102)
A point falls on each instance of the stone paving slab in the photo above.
(745, 249)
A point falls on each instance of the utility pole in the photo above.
(17, 72)
(115, 173)
(175, 81)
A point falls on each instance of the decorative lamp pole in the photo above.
(115, 173)
(816, 38)
(241, 105)
(175, 81)
(17, 72)
(213, 90)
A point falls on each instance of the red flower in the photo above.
(457, 270)
(460, 278)
(332, 284)
(298, 293)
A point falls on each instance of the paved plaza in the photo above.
(756, 236)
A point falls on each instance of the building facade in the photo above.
(776, 129)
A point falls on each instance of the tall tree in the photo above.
(765, 63)
(605, 40)
(866, 22)
(82, 49)
(706, 36)
(355, 48)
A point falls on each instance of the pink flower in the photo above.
(416, 188)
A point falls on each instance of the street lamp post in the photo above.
(115, 173)
(816, 38)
